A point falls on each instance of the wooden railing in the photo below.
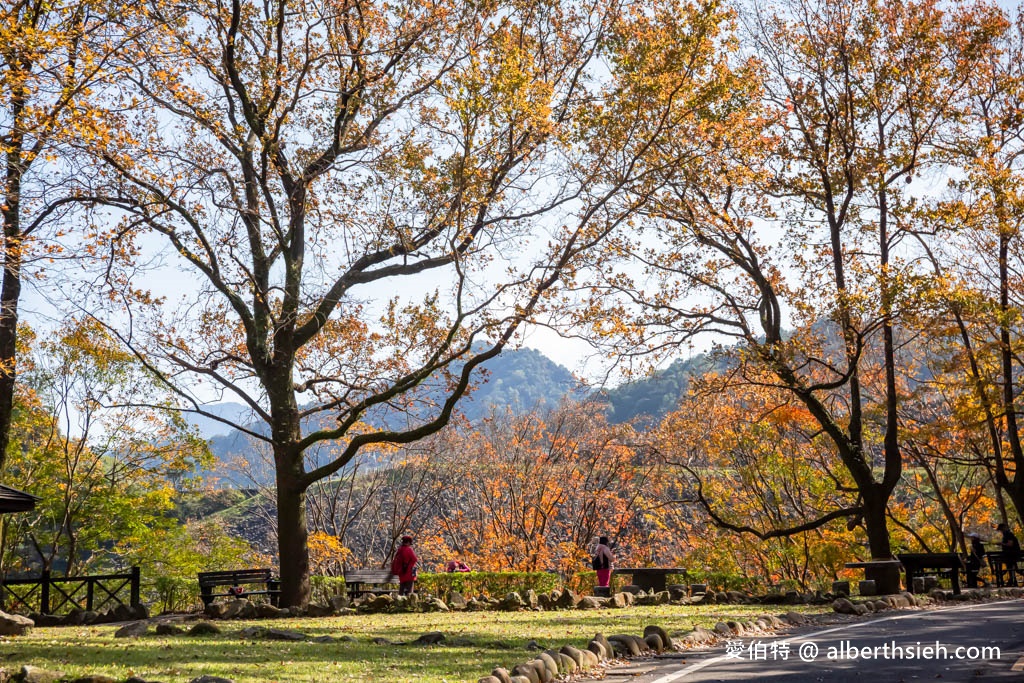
(49, 595)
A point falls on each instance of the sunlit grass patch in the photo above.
(475, 643)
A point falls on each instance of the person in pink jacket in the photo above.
(404, 566)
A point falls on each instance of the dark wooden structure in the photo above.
(885, 574)
(650, 579)
(947, 565)
(1004, 568)
(236, 581)
(13, 500)
(369, 582)
(49, 595)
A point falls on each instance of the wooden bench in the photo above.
(236, 579)
(947, 565)
(370, 582)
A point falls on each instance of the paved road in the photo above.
(978, 642)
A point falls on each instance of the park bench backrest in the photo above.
(235, 578)
(370, 576)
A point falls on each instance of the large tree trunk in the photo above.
(1014, 486)
(10, 292)
(875, 522)
(292, 533)
(9, 295)
(887, 579)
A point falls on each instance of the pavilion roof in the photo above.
(13, 500)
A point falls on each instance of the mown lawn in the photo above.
(475, 643)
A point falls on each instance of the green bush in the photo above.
(173, 594)
(723, 581)
(584, 581)
(323, 588)
(491, 584)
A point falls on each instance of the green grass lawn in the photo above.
(476, 643)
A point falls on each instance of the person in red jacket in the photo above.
(404, 566)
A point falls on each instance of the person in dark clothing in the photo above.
(1009, 543)
(1010, 547)
(602, 562)
(404, 566)
(975, 561)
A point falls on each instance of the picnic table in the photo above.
(1004, 568)
(948, 565)
(650, 579)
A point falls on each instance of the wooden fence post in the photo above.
(136, 585)
(44, 592)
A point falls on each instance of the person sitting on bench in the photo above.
(1010, 547)
(975, 561)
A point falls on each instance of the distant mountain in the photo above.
(520, 379)
(649, 399)
(210, 428)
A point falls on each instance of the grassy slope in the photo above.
(476, 642)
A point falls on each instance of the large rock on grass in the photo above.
(456, 601)
(314, 610)
(32, 674)
(132, 630)
(204, 628)
(512, 602)
(284, 634)
(265, 610)
(567, 600)
(14, 624)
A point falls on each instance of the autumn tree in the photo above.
(104, 468)
(53, 55)
(974, 233)
(791, 242)
(368, 200)
(544, 485)
(748, 476)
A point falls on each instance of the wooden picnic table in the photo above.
(1004, 568)
(650, 578)
(948, 565)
